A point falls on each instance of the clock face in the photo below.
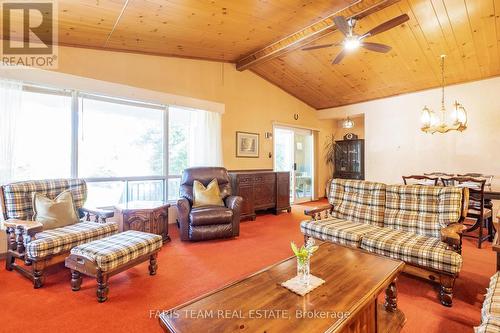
(350, 136)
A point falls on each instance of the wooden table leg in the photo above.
(391, 295)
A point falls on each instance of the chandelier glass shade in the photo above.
(347, 123)
(432, 122)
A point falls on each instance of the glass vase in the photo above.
(304, 271)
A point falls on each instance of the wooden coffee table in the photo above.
(347, 302)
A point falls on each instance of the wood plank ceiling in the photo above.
(467, 31)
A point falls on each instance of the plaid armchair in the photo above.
(420, 225)
(40, 248)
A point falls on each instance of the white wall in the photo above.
(395, 146)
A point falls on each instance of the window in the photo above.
(178, 147)
(119, 139)
(126, 150)
(42, 135)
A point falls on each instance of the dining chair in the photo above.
(420, 180)
(439, 174)
(482, 215)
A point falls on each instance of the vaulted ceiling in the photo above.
(266, 37)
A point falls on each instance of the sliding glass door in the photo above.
(293, 152)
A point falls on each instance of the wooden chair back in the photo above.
(439, 174)
(421, 180)
(475, 187)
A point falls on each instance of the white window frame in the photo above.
(75, 107)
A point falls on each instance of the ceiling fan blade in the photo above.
(317, 47)
(339, 57)
(376, 47)
(342, 25)
(388, 25)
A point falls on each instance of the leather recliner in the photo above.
(208, 222)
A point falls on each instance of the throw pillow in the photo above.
(206, 196)
(56, 213)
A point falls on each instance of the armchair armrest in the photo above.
(19, 233)
(100, 215)
(315, 213)
(234, 202)
(183, 209)
(452, 235)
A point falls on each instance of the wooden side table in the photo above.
(147, 216)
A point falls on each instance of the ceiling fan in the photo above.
(352, 41)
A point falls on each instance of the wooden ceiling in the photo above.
(265, 36)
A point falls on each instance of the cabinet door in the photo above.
(265, 190)
(282, 190)
(246, 191)
(138, 221)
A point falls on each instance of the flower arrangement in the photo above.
(303, 255)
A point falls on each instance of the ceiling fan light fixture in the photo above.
(352, 43)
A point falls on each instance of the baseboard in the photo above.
(3, 255)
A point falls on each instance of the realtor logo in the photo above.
(29, 34)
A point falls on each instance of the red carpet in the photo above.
(187, 270)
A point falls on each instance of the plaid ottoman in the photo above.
(111, 255)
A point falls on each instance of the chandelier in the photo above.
(347, 123)
(432, 123)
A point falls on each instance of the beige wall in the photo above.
(251, 103)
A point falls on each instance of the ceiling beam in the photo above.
(358, 10)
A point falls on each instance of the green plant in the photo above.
(304, 252)
(330, 147)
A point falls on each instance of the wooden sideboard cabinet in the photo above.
(261, 190)
(144, 216)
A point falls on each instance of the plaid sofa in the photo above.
(399, 221)
(490, 313)
(119, 249)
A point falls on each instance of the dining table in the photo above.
(492, 192)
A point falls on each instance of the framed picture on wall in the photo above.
(247, 144)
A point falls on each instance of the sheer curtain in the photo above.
(205, 144)
(10, 104)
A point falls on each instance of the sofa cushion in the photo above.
(55, 241)
(116, 250)
(491, 325)
(422, 210)
(209, 215)
(428, 252)
(337, 230)
(358, 201)
(491, 304)
(18, 197)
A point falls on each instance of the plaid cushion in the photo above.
(422, 210)
(119, 249)
(337, 230)
(491, 325)
(414, 249)
(18, 197)
(491, 304)
(55, 241)
(358, 201)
